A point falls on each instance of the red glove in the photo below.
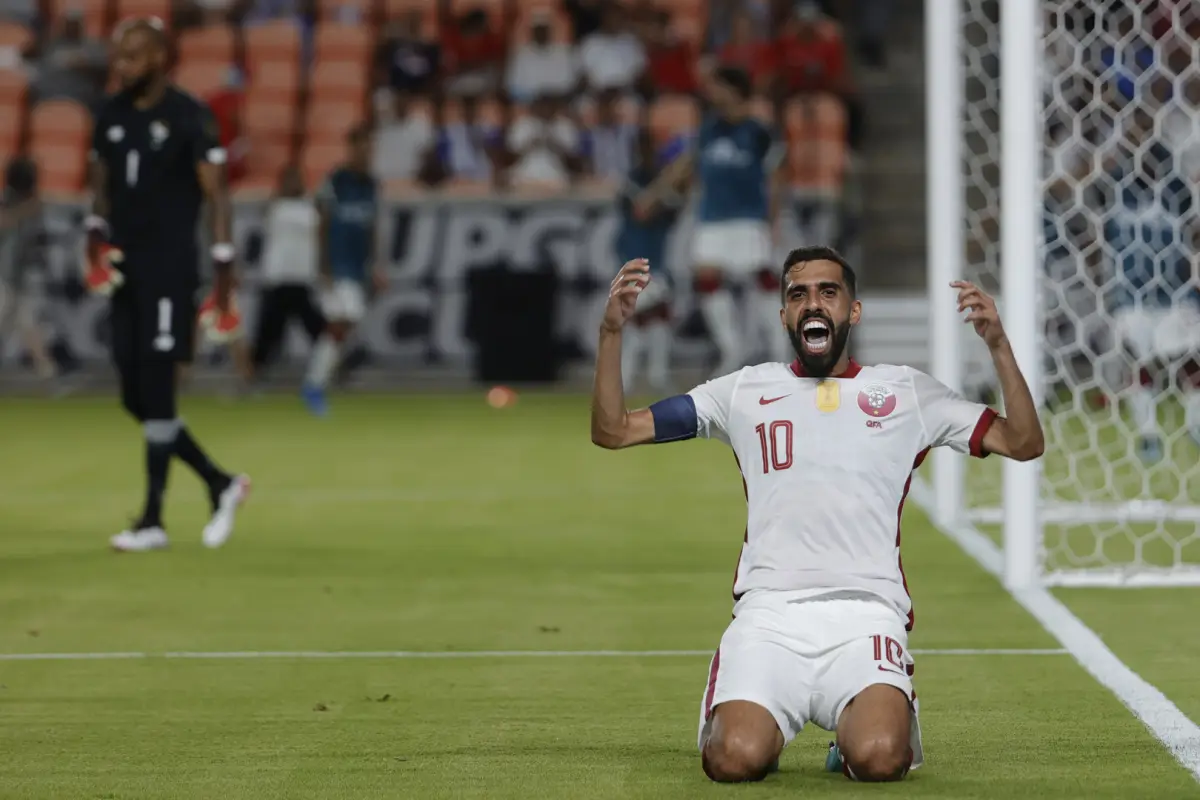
(100, 273)
(221, 325)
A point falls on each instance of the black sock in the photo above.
(158, 464)
(190, 453)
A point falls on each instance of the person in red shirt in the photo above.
(810, 58)
(670, 59)
(473, 55)
(748, 51)
(226, 106)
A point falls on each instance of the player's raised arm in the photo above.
(613, 425)
(1018, 434)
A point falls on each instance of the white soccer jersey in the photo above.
(826, 466)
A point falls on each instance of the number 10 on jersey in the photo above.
(775, 439)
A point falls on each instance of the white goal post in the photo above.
(1058, 133)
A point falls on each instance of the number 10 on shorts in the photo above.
(889, 654)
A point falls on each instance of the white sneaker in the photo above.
(219, 528)
(139, 541)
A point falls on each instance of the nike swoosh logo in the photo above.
(894, 671)
(763, 401)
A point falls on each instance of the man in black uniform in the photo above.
(155, 160)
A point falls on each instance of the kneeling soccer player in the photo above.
(827, 449)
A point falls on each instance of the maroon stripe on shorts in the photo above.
(712, 683)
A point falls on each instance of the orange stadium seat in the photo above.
(202, 79)
(329, 121)
(61, 166)
(337, 42)
(15, 36)
(319, 159)
(14, 85)
(12, 119)
(96, 17)
(338, 79)
(268, 119)
(816, 131)
(398, 9)
(673, 115)
(264, 163)
(278, 80)
(129, 9)
(60, 122)
(214, 43)
(271, 43)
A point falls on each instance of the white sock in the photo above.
(720, 314)
(323, 362)
(766, 313)
(631, 356)
(1191, 409)
(1143, 409)
(658, 347)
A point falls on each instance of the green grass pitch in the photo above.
(439, 524)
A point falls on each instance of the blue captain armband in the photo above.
(675, 419)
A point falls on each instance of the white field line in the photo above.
(1180, 735)
(335, 655)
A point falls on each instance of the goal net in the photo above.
(1117, 317)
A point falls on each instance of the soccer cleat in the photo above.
(139, 540)
(833, 761)
(220, 326)
(314, 398)
(220, 527)
(1150, 449)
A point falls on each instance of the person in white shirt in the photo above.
(826, 449)
(404, 141)
(542, 66)
(612, 57)
(544, 145)
(289, 269)
(467, 148)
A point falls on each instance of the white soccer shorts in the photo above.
(1164, 333)
(344, 301)
(740, 247)
(805, 660)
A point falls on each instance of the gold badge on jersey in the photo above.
(829, 396)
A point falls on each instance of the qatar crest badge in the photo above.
(877, 400)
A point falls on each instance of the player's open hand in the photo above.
(982, 312)
(623, 294)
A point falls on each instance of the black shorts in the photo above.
(153, 322)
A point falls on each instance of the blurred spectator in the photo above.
(22, 255)
(612, 57)
(289, 269)
(254, 12)
(748, 50)
(810, 57)
(467, 147)
(872, 18)
(544, 146)
(404, 142)
(542, 66)
(722, 12)
(405, 60)
(472, 55)
(609, 144)
(226, 105)
(71, 66)
(26, 12)
(671, 60)
(585, 16)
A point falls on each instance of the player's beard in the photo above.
(139, 86)
(820, 366)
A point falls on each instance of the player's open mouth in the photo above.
(817, 336)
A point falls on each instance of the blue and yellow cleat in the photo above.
(833, 761)
(314, 399)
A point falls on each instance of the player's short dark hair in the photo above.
(737, 79)
(802, 255)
